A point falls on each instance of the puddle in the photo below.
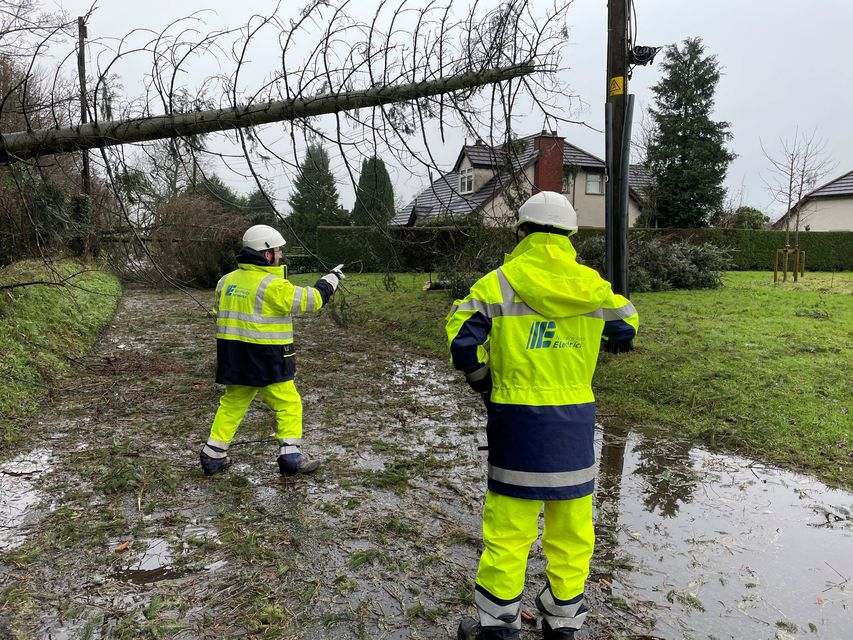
(152, 565)
(721, 547)
(19, 495)
(158, 560)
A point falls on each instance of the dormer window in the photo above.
(466, 180)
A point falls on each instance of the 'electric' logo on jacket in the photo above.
(234, 291)
(543, 335)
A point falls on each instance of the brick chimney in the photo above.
(548, 171)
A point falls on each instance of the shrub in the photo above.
(196, 240)
(483, 251)
(657, 265)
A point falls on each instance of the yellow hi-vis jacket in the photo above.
(254, 321)
(535, 326)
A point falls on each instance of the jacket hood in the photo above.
(544, 273)
(252, 260)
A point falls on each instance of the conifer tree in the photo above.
(314, 201)
(687, 154)
(374, 196)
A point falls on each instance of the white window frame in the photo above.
(599, 182)
(466, 180)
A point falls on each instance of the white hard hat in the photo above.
(550, 209)
(262, 237)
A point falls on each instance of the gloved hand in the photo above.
(618, 346)
(338, 271)
(334, 277)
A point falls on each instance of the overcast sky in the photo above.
(786, 65)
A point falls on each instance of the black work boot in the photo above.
(293, 464)
(212, 466)
(556, 634)
(469, 629)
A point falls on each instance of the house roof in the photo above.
(443, 196)
(482, 155)
(640, 181)
(840, 187)
(575, 156)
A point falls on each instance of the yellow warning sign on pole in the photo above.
(616, 86)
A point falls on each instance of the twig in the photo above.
(846, 579)
(396, 597)
(141, 491)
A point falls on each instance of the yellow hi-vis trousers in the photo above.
(281, 397)
(511, 525)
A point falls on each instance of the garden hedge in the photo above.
(425, 248)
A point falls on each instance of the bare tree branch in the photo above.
(377, 82)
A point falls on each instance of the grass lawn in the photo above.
(751, 368)
(43, 326)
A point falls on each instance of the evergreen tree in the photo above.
(374, 196)
(745, 218)
(259, 209)
(314, 201)
(687, 154)
(213, 188)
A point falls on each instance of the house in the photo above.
(827, 208)
(485, 181)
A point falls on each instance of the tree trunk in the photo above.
(30, 144)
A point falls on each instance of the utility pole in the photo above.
(618, 111)
(84, 111)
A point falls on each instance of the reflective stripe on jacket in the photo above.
(537, 323)
(254, 323)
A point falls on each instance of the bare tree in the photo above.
(794, 172)
(362, 86)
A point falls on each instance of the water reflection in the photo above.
(715, 546)
(20, 496)
(667, 470)
(607, 499)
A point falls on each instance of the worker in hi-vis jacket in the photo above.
(254, 348)
(527, 338)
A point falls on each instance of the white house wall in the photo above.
(590, 206)
(826, 214)
(497, 213)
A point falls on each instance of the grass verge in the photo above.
(44, 326)
(752, 368)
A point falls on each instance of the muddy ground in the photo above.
(110, 530)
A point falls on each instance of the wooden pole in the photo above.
(617, 91)
(84, 111)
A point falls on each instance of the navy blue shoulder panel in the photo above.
(463, 348)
